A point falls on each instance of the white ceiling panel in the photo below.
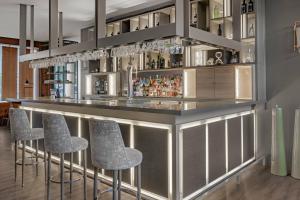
(76, 14)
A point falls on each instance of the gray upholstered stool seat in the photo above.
(59, 140)
(36, 134)
(21, 131)
(78, 144)
(134, 158)
(109, 152)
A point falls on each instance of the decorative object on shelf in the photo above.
(137, 28)
(250, 56)
(297, 36)
(251, 6)
(234, 58)
(219, 55)
(251, 32)
(146, 26)
(278, 157)
(244, 7)
(210, 61)
(195, 16)
(216, 12)
(220, 30)
(296, 147)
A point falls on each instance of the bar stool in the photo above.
(21, 131)
(58, 140)
(109, 152)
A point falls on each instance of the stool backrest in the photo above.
(107, 145)
(56, 133)
(19, 124)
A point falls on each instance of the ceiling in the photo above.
(77, 14)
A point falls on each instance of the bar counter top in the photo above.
(171, 107)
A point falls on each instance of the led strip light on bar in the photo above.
(206, 122)
(132, 123)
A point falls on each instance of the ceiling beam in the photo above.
(22, 29)
(60, 35)
(100, 18)
(53, 24)
(32, 29)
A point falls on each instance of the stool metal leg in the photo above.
(23, 162)
(49, 176)
(119, 183)
(16, 158)
(95, 192)
(62, 176)
(115, 188)
(37, 158)
(138, 195)
(45, 163)
(84, 174)
(71, 172)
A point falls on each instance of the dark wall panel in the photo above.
(194, 176)
(216, 140)
(153, 143)
(234, 143)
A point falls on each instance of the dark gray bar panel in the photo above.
(234, 143)
(248, 123)
(194, 176)
(216, 143)
(125, 130)
(153, 143)
(37, 122)
(72, 123)
(37, 119)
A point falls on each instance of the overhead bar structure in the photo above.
(180, 28)
(32, 29)
(23, 29)
(61, 39)
(53, 24)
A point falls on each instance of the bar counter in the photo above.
(188, 146)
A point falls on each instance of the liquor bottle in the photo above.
(162, 62)
(57, 94)
(153, 64)
(220, 30)
(244, 7)
(251, 6)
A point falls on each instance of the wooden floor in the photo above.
(35, 188)
(256, 184)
